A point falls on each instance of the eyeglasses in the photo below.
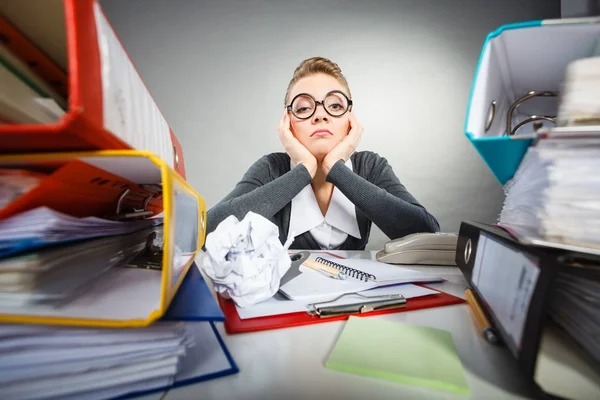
(335, 103)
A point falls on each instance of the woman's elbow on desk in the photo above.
(431, 223)
(424, 222)
(427, 223)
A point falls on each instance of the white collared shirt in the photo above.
(331, 230)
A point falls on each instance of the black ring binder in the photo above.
(352, 272)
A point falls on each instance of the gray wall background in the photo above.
(219, 69)
(579, 8)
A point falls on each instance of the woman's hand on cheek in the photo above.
(344, 149)
(297, 152)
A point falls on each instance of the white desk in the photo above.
(289, 363)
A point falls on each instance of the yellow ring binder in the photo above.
(136, 297)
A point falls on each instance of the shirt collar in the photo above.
(306, 214)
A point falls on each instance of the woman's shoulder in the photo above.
(274, 164)
(371, 166)
(277, 159)
(367, 160)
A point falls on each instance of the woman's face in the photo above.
(321, 132)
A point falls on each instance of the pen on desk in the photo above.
(483, 324)
(330, 271)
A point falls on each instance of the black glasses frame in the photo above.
(289, 106)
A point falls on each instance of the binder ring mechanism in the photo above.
(136, 212)
(176, 157)
(372, 303)
(510, 130)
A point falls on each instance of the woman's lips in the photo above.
(321, 132)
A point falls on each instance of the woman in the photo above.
(320, 190)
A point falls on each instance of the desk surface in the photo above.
(289, 363)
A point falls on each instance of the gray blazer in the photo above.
(269, 186)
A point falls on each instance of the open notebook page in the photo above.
(314, 285)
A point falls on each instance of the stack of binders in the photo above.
(543, 302)
(536, 272)
(99, 294)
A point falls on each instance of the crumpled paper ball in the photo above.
(245, 259)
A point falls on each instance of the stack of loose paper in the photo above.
(14, 183)
(555, 193)
(43, 226)
(580, 103)
(55, 274)
(554, 201)
(575, 305)
(46, 362)
(408, 354)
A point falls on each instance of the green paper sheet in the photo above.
(409, 354)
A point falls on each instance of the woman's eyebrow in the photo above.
(319, 97)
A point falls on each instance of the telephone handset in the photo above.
(421, 248)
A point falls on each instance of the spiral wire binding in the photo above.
(352, 272)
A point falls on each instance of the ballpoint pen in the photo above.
(326, 269)
(483, 324)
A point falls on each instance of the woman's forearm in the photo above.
(387, 204)
(264, 198)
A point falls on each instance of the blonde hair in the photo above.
(317, 65)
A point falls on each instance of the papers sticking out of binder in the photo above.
(43, 226)
(100, 230)
(553, 198)
(60, 362)
(575, 302)
(54, 275)
(103, 359)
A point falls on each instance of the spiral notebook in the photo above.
(361, 275)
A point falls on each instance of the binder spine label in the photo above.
(128, 108)
(506, 279)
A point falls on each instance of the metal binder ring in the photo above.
(532, 119)
(176, 156)
(468, 248)
(123, 195)
(490, 115)
(534, 93)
